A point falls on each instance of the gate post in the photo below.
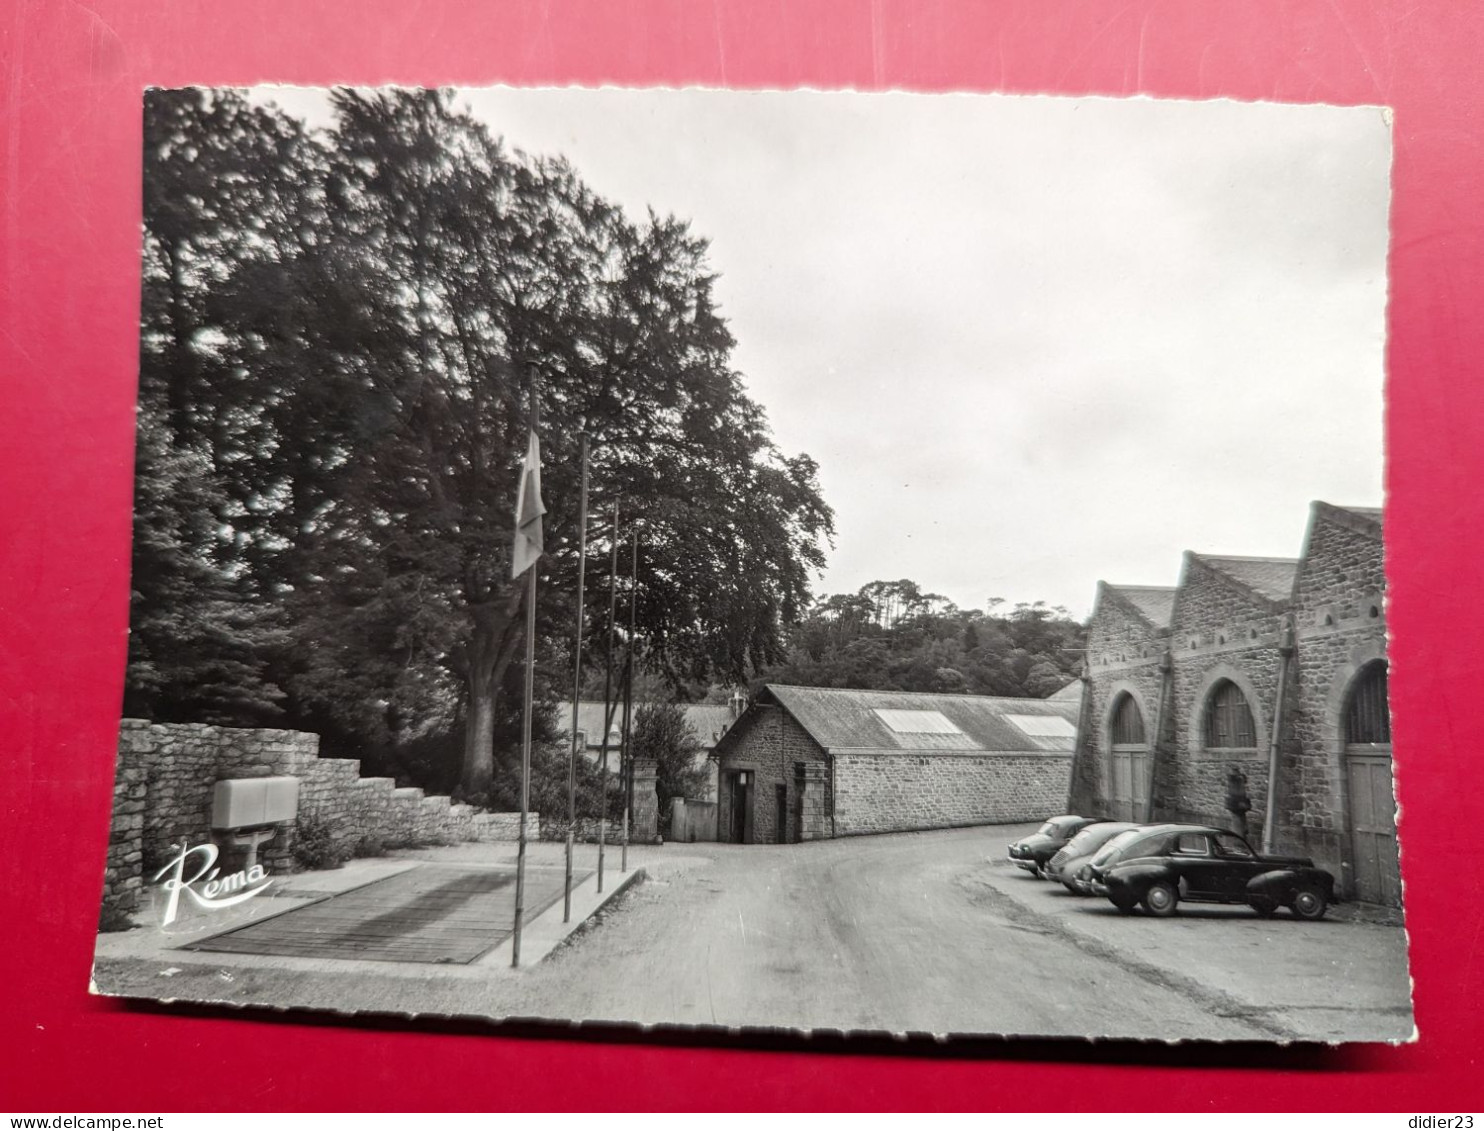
(646, 811)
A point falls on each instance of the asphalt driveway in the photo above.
(916, 932)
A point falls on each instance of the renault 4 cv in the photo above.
(1031, 853)
(1211, 865)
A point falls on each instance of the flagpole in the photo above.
(525, 738)
(576, 688)
(627, 759)
(608, 689)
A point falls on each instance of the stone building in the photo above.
(1251, 671)
(808, 763)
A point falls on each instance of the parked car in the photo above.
(1079, 851)
(1033, 852)
(1081, 877)
(1210, 865)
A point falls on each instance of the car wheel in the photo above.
(1264, 905)
(1161, 899)
(1309, 903)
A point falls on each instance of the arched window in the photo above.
(1229, 719)
(1128, 722)
(1367, 717)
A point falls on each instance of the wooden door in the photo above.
(741, 803)
(1140, 781)
(1373, 858)
(1118, 802)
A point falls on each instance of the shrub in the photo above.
(315, 847)
(115, 916)
(372, 844)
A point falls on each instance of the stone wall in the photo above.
(1124, 654)
(879, 793)
(1340, 615)
(166, 773)
(587, 830)
(1220, 631)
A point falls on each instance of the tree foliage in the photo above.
(891, 636)
(664, 734)
(340, 331)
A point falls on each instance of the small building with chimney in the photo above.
(709, 721)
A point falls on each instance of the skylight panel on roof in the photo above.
(1043, 726)
(916, 722)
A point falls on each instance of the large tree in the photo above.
(379, 329)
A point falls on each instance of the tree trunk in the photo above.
(479, 735)
(492, 644)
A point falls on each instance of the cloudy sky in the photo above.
(1032, 342)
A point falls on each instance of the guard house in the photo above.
(808, 763)
(1269, 673)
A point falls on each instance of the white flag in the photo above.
(528, 512)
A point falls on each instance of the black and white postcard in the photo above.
(792, 560)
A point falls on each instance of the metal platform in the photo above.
(434, 913)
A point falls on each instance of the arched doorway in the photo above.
(1371, 808)
(1130, 765)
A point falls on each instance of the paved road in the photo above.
(887, 933)
(921, 932)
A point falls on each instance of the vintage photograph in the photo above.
(792, 560)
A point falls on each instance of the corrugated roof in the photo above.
(708, 720)
(1156, 602)
(1270, 577)
(1072, 691)
(841, 719)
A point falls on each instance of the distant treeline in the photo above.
(892, 636)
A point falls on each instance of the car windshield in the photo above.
(1120, 841)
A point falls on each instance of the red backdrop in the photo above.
(70, 82)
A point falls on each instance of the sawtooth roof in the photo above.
(1155, 602)
(1268, 577)
(1366, 520)
(841, 719)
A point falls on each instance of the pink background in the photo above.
(70, 82)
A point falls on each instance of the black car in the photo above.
(1033, 852)
(1211, 865)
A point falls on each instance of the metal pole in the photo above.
(1286, 648)
(525, 764)
(525, 738)
(608, 690)
(576, 688)
(626, 755)
(1166, 682)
